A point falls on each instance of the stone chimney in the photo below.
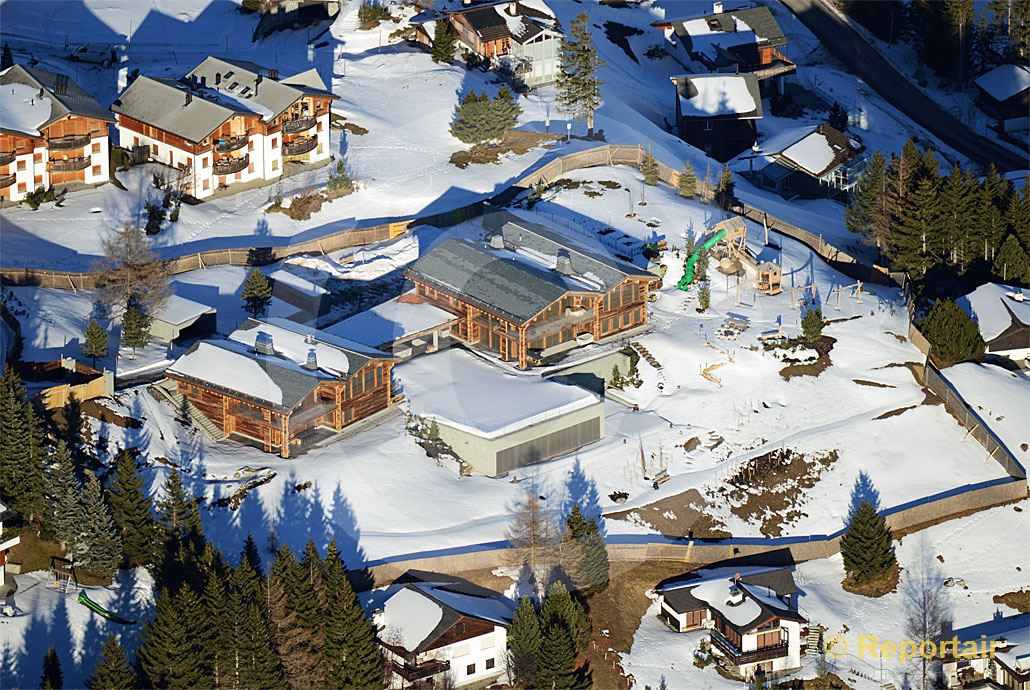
(497, 241)
(717, 8)
(263, 344)
(563, 263)
(311, 364)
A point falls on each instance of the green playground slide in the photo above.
(688, 275)
(101, 611)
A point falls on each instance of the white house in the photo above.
(993, 654)
(751, 615)
(440, 630)
(1003, 315)
(226, 122)
(6, 544)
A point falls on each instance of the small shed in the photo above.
(1004, 93)
(769, 278)
(311, 298)
(183, 318)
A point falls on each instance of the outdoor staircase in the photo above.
(815, 639)
(165, 390)
(646, 355)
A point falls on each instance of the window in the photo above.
(461, 628)
(37, 157)
(96, 147)
(237, 176)
(319, 126)
(275, 142)
(21, 164)
(250, 145)
(321, 148)
(470, 670)
(21, 187)
(38, 180)
(250, 168)
(205, 162)
(207, 184)
(96, 169)
(135, 141)
(489, 664)
(275, 164)
(708, 126)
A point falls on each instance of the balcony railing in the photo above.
(69, 142)
(67, 164)
(299, 124)
(6, 157)
(740, 658)
(231, 144)
(300, 146)
(229, 166)
(574, 318)
(426, 670)
(6, 181)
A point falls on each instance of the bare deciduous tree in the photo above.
(534, 535)
(131, 271)
(927, 609)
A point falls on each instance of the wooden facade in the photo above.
(68, 145)
(331, 405)
(601, 315)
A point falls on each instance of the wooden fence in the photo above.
(58, 396)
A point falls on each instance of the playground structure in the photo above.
(769, 278)
(62, 574)
(101, 611)
(732, 233)
(858, 292)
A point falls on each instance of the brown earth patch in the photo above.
(682, 515)
(97, 410)
(823, 346)
(874, 588)
(875, 384)
(894, 413)
(1019, 600)
(515, 141)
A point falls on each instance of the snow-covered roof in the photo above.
(23, 109)
(1005, 81)
(743, 596)
(335, 355)
(409, 616)
(993, 305)
(462, 391)
(64, 95)
(178, 310)
(392, 320)
(714, 95)
(711, 36)
(1008, 637)
(302, 285)
(815, 149)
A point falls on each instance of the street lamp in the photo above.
(568, 131)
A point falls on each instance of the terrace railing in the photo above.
(69, 142)
(228, 166)
(299, 124)
(68, 164)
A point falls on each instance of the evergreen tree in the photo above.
(177, 509)
(474, 119)
(885, 18)
(168, 655)
(68, 512)
(587, 562)
(838, 117)
(687, 185)
(561, 608)
(217, 641)
(866, 547)
(95, 346)
(52, 678)
(135, 327)
(506, 111)
(103, 545)
(960, 15)
(112, 671)
(258, 664)
(915, 234)
(444, 44)
(6, 57)
(1017, 215)
(556, 667)
(22, 451)
(257, 293)
(649, 168)
(867, 212)
(524, 645)
(350, 652)
(704, 296)
(578, 85)
(953, 335)
(132, 510)
(725, 194)
(1011, 264)
(812, 323)
(292, 609)
(701, 266)
(957, 198)
(989, 213)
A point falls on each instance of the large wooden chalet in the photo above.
(278, 384)
(51, 133)
(226, 122)
(529, 294)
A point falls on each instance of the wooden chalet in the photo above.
(530, 294)
(280, 385)
(51, 133)
(811, 162)
(1004, 94)
(718, 113)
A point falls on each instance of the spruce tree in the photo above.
(988, 222)
(292, 608)
(351, 654)
(473, 119)
(953, 335)
(133, 511)
(649, 168)
(838, 117)
(177, 509)
(505, 112)
(687, 185)
(561, 608)
(444, 44)
(103, 545)
(52, 678)
(112, 671)
(23, 454)
(704, 296)
(67, 517)
(556, 667)
(135, 327)
(915, 236)
(257, 293)
(725, 194)
(6, 57)
(524, 644)
(588, 566)
(216, 637)
(957, 198)
(866, 547)
(578, 84)
(812, 323)
(1011, 264)
(867, 212)
(259, 665)
(1017, 214)
(169, 655)
(95, 346)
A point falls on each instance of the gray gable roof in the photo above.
(253, 83)
(66, 96)
(162, 103)
(509, 288)
(759, 19)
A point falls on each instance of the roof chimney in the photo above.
(273, 73)
(497, 241)
(563, 263)
(189, 98)
(218, 78)
(311, 364)
(717, 8)
(736, 596)
(263, 344)
(513, 8)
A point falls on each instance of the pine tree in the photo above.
(473, 119)
(133, 511)
(506, 111)
(556, 667)
(135, 327)
(649, 168)
(578, 85)
(52, 678)
(838, 117)
(956, 201)
(687, 185)
(68, 512)
(1011, 264)
(176, 509)
(350, 652)
(953, 335)
(103, 545)
(6, 57)
(866, 547)
(704, 296)
(95, 346)
(23, 455)
(292, 609)
(912, 244)
(169, 656)
(587, 564)
(867, 212)
(257, 293)
(112, 671)
(444, 44)
(812, 323)
(217, 641)
(1017, 215)
(524, 645)
(561, 608)
(725, 194)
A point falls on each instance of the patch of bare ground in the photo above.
(769, 489)
(895, 412)
(874, 588)
(682, 515)
(1019, 600)
(516, 141)
(875, 384)
(97, 410)
(898, 337)
(823, 346)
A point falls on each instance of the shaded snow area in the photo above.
(717, 95)
(409, 616)
(994, 305)
(23, 109)
(1001, 398)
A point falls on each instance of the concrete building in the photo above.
(498, 420)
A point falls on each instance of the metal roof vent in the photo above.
(311, 364)
(497, 241)
(563, 263)
(263, 344)
(736, 596)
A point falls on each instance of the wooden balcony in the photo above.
(231, 144)
(298, 125)
(68, 164)
(69, 142)
(740, 658)
(230, 166)
(299, 146)
(422, 671)
(6, 181)
(7, 157)
(780, 66)
(574, 318)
